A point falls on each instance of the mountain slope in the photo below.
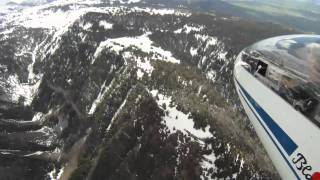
(124, 92)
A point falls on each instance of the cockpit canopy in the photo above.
(289, 65)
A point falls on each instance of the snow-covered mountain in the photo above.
(124, 90)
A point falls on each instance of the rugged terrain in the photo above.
(113, 90)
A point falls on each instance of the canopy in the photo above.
(298, 54)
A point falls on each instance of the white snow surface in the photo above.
(188, 28)
(39, 18)
(49, 135)
(177, 120)
(86, 26)
(38, 153)
(32, 77)
(209, 40)
(142, 42)
(139, 74)
(104, 89)
(21, 89)
(133, 1)
(37, 117)
(162, 11)
(193, 51)
(118, 111)
(106, 25)
(143, 64)
(207, 163)
(46, 16)
(211, 75)
(124, 2)
(56, 174)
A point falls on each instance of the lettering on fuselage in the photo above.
(301, 164)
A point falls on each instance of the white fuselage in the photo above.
(291, 140)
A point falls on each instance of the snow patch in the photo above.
(56, 174)
(142, 42)
(18, 90)
(140, 74)
(188, 28)
(211, 75)
(118, 111)
(222, 55)
(101, 94)
(105, 25)
(38, 153)
(7, 31)
(241, 164)
(199, 91)
(193, 51)
(39, 18)
(86, 26)
(37, 117)
(209, 40)
(48, 134)
(177, 120)
(144, 66)
(124, 1)
(162, 12)
(207, 163)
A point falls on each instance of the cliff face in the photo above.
(124, 92)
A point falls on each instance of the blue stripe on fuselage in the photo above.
(254, 104)
(282, 137)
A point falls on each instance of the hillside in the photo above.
(114, 90)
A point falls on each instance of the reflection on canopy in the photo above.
(289, 65)
(299, 54)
